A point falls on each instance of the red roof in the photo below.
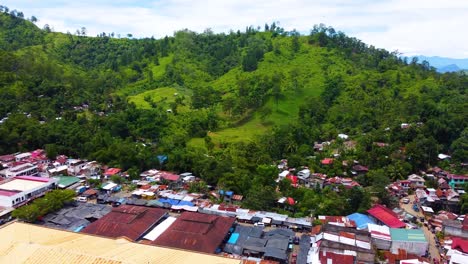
(33, 178)
(381, 144)
(237, 197)
(386, 216)
(228, 207)
(333, 258)
(291, 201)
(360, 168)
(457, 177)
(112, 171)
(7, 193)
(327, 161)
(169, 176)
(61, 159)
(127, 221)
(293, 179)
(90, 192)
(197, 232)
(7, 158)
(460, 244)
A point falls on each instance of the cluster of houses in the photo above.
(306, 178)
(162, 212)
(439, 206)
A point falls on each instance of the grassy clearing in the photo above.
(161, 96)
(160, 70)
(286, 109)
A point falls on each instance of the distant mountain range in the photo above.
(443, 64)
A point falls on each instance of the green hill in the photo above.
(281, 91)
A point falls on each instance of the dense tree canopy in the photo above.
(224, 106)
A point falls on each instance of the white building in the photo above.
(22, 156)
(412, 240)
(19, 190)
(75, 166)
(416, 181)
(304, 174)
(26, 169)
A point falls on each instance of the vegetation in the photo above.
(237, 102)
(51, 202)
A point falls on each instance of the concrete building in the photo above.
(23, 169)
(19, 190)
(412, 240)
(416, 181)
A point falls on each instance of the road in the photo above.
(428, 233)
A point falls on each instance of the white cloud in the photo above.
(428, 27)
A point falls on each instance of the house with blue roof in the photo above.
(361, 220)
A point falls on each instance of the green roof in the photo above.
(411, 235)
(65, 181)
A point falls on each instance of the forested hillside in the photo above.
(225, 105)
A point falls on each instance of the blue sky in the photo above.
(413, 27)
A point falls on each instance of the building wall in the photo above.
(9, 173)
(22, 197)
(452, 231)
(382, 244)
(418, 248)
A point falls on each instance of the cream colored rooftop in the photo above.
(26, 243)
(21, 185)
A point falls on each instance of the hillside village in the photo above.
(424, 226)
(257, 146)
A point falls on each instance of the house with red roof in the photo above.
(327, 161)
(196, 232)
(460, 244)
(130, 222)
(386, 216)
(5, 159)
(359, 169)
(293, 179)
(169, 176)
(111, 172)
(287, 202)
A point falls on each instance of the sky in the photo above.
(412, 27)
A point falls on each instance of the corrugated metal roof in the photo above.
(25, 243)
(361, 220)
(126, 221)
(412, 235)
(386, 216)
(65, 181)
(159, 229)
(195, 231)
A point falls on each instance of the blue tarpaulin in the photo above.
(169, 201)
(78, 229)
(162, 158)
(233, 238)
(361, 220)
(185, 203)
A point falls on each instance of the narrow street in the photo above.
(433, 251)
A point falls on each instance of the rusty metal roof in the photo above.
(127, 221)
(197, 232)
